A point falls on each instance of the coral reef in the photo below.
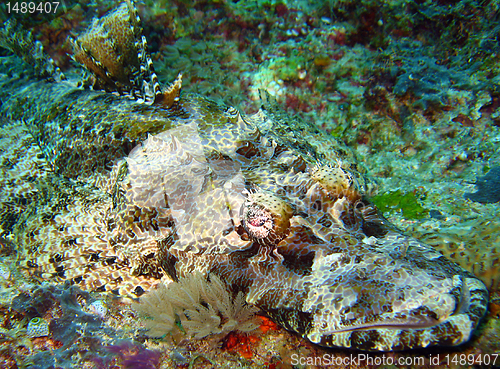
(23, 44)
(130, 355)
(178, 203)
(422, 76)
(61, 332)
(99, 308)
(203, 66)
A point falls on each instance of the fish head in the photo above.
(287, 221)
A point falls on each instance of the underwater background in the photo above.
(412, 87)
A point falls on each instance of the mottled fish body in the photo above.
(119, 194)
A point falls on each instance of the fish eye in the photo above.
(257, 221)
(266, 217)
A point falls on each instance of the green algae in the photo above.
(406, 202)
(287, 68)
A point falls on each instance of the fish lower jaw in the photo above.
(392, 336)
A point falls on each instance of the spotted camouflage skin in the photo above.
(117, 195)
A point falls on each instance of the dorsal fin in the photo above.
(169, 97)
(114, 50)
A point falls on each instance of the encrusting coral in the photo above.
(202, 307)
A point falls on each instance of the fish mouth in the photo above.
(386, 323)
(447, 318)
(409, 323)
(454, 302)
(412, 313)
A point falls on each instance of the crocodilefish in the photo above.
(116, 183)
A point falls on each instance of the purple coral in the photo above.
(135, 356)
